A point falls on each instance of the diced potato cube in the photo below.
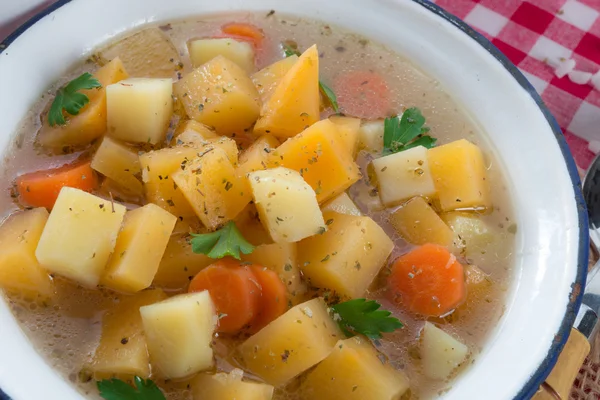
(179, 333)
(294, 104)
(79, 236)
(195, 127)
(342, 204)
(179, 264)
(204, 50)
(213, 189)
(404, 175)
(474, 276)
(229, 387)
(287, 205)
(292, 343)
(370, 136)
(146, 54)
(256, 157)
(221, 95)
(194, 139)
(282, 258)
(440, 353)
(140, 246)
(321, 159)
(267, 79)
(353, 371)
(119, 163)
(122, 350)
(108, 188)
(20, 271)
(139, 109)
(248, 223)
(418, 223)
(347, 257)
(459, 174)
(472, 232)
(348, 129)
(90, 123)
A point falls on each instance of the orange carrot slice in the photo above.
(273, 302)
(362, 94)
(244, 30)
(427, 281)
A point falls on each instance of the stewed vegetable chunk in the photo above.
(418, 223)
(440, 352)
(204, 50)
(119, 163)
(229, 386)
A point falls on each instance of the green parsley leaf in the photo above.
(69, 100)
(116, 389)
(227, 241)
(361, 316)
(329, 95)
(290, 50)
(404, 133)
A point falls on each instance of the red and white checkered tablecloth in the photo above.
(535, 34)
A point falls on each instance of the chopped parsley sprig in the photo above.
(361, 316)
(227, 241)
(70, 100)
(116, 389)
(404, 133)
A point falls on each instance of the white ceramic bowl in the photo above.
(552, 242)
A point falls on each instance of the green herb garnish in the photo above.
(227, 241)
(329, 96)
(361, 316)
(404, 133)
(70, 100)
(289, 50)
(116, 389)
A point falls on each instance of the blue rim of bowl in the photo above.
(576, 295)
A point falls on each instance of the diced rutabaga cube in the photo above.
(248, 223)
(342, 204)
(459, 174)
(79, 236)
(353, 371)
(229, 386)
(370, 136)
(287, 205)
(347, 257)
(221, 95)
(122, 350)
(404, 175)
(292, 343)
(140, 246)
(348, 129)
(472, 232)
(191, 126)
(440, 353)
(20, 271)
(139, 109)
(267, 79)
(418, 223)
(213, 188)
(119, 163)
(204, 50)
(256, 157)
(179, 333)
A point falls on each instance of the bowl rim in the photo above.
(576, 295)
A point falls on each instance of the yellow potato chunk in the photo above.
(459, 174)
(342, 204)
(321, 159)
(287, 205)
(122, 350)
(353, 371)
(404, 175)
(179, 264)
(267, 79)
(281, 258)
(440, 352)
(221, 95)
(292, 343)
(347, 257)
(204, 50)
(20, 271)
(179, 333)
(140, 246)
(194, 128)
(79, 236)
(418, 223)
(473, 234)
(348, 129)
(213, 189)
(229, 387)
(146, 54)
(90, 123)
(256, 157)
(139, 109)
(294, 104)
(119, 163)
(248, 222)
(370, 136)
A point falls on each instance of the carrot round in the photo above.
(244, 30)
(234, 291)
(362, 94)
(427, 281)
(41, 188)
(273, 301)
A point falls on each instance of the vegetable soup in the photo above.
(253, 207)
